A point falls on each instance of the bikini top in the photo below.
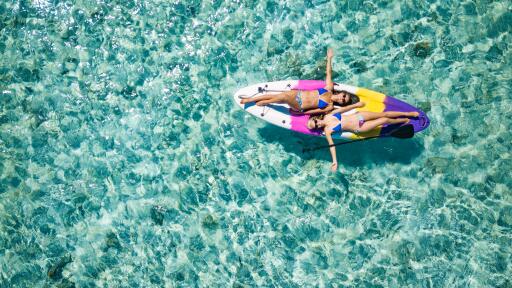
(321, 103)
(338, 127)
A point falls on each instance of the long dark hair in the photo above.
(353, 99)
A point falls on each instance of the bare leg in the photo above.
(369, 125)
(259, 98)
(270, 101)
(391, 114)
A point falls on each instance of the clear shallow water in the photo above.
(124, 162)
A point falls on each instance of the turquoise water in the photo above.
(125, 163)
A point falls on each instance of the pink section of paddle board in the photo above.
(299, 123)
(309, 84)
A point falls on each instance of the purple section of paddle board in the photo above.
(392, 104)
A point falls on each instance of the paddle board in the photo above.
(283, 116)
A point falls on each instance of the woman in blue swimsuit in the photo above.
(308, 102)
(362, 121)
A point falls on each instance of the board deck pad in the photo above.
(283, 116)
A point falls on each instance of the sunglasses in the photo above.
(344, 98)
(316, 124)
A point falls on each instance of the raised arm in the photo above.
(328, 71)
(320, 111)
(332, 149)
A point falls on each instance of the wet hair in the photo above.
(353, 99)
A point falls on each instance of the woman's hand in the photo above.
(360, 104)
(334, 166)
(330, 54)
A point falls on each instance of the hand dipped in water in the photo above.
(334, 166)
(330, 53)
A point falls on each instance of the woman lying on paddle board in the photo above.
(307, 102)
(362, 121)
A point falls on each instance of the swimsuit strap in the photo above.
(361, 122)
(298, 98)
(321, 91)
(321, 103)
(338, 127)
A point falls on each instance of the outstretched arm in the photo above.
(348, 108)
(332, 149)
(319, 111)
(328, 71)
